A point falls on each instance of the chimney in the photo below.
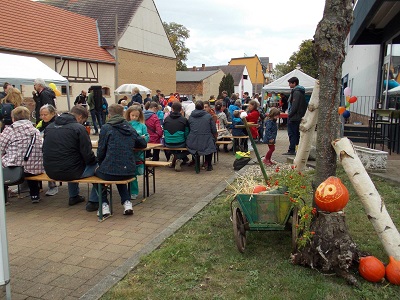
(203, 67)
(194, 68)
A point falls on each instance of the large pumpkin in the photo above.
(393, 271)
(259, 188)
(331, 195)
(371, 268)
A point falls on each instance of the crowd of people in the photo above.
(62, 147)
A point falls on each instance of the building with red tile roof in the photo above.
(145, 55)
(33, 28)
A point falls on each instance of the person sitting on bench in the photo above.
(176, 130)
(68, 154)
(115, 153)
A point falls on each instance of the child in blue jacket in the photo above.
(239, 144)
(271, 131)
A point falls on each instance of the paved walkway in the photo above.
(62, 252)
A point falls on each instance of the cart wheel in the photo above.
(295, 230)
(238, 230)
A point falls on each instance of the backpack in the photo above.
(240, 163)
(5, 112)
(262, 113)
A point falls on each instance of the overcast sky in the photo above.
(225, 29)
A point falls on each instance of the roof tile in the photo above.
(104, 12)
(33, 27)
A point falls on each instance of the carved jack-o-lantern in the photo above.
(331, 195)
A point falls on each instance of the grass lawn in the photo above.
(201, 260)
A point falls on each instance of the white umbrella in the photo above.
(126, 89)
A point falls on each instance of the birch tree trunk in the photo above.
(307, 129)
(369, 196)
(331, 248)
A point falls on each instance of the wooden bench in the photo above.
(150, 169)
(185, 149)
(236, 137)
(171, 149)
(88, 180)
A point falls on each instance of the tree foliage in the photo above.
(226, 84)
(177, 34)
(303, 57)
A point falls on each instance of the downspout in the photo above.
(116, 57)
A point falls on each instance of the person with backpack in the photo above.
(12, 100)
(42, 95)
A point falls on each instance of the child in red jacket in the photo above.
(252, 116)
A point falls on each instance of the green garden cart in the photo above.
(259, 212)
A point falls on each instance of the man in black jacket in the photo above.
(81, 99)
(42, 95)
(67, 152)
(297, 109)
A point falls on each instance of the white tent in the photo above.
(281, 85)
(394, 91)
(23, 70)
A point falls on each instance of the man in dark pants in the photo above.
(297, 109)
(95, 109)
(67, 152)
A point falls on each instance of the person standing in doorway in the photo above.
(297, 109)
(94, 111)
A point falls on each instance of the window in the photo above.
(245, 77)
(64, 90)
(105, 91)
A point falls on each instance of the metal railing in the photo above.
(360, 111)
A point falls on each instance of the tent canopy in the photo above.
(281, 85)
(394, 91)
(18, 70)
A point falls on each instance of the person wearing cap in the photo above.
(156, 98)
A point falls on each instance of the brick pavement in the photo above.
(62, 252)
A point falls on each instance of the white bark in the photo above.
(369, 196)
(307, 130)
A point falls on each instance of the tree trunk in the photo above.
(331, 248)
(307, 128)
(329, 38)
(369, 196)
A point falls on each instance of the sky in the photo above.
(225, 29)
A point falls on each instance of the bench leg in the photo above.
(145, 178)
(154, 180)
(109, 188)
(99, 194)
(148, 172)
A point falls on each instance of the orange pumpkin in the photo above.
(259, 188)
(393, 271)
(331, 195)
(371, 268)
